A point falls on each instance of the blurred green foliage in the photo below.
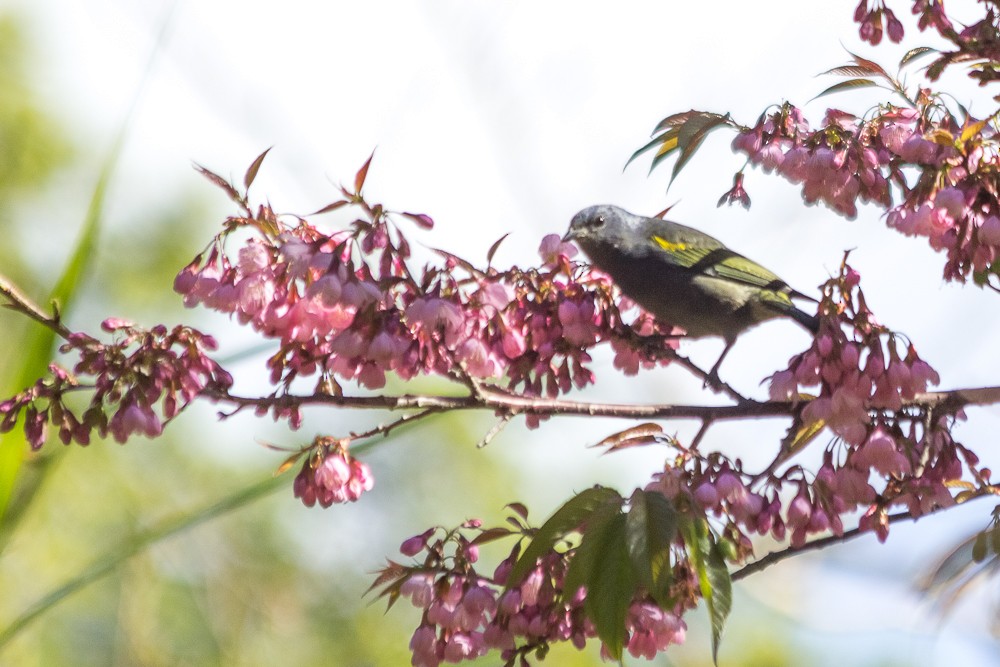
(272, 582)
(32, 146)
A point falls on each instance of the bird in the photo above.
(685, 277)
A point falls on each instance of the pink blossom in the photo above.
(577, 320)
(880, 452)
(419, 587)
(427, 652)
(463, 646)
(553, 250)
(706, 495)
(477, 359)
(989, 231)
(338, 478)
(783, 386)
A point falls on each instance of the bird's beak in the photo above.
(568, 236)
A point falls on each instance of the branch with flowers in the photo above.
(348, 307)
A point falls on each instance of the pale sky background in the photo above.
(509, 116)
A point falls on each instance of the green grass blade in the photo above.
(107, 564)
(36, 345)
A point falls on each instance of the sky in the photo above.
(509, 116)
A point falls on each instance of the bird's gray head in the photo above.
(604, 224)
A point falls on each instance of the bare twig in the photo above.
(19, 302)
(777, 556)
(385, 429)
(705, 425)
(494, 430)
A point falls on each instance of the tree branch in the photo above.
(489, 398)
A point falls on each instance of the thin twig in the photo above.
(705, 425)
(494, 431)
(830, 540)
(19, 302)
(385, 429)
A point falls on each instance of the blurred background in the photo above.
(492, 117)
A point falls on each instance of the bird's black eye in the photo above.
(598, 221)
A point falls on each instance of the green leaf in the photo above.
(692, 134)
(852, 84)
(582, 507)
(714, 579)
(980, 548)
(913, 54)
(655, 141)
(953, 566)
(847, 70)
(583, 565)
(610, 582)
(650, 529)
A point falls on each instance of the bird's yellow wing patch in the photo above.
(681, 253)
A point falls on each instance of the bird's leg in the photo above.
(712, 379)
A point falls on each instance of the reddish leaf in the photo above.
(251, 174)
(491, 535)
(677, 119)
(643, 434)
(493, 248)
(871, 67)
(219, 181)
(519, 509)
(331, 207)
(422, 219)
(359, 178)
(664, 212)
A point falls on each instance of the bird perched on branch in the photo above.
(684, 277)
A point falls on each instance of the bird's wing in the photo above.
(717, 261)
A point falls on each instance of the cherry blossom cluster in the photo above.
(134, 383)
(869, 20)
(976, 45)
(895, 465)
(943, 169)
(331, 475)
(885, 454)
(858, 368)
(346, 306)
(465, 613)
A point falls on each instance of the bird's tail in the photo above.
(810, 322)
(781, 302)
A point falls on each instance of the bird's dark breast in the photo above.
(673, 294)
